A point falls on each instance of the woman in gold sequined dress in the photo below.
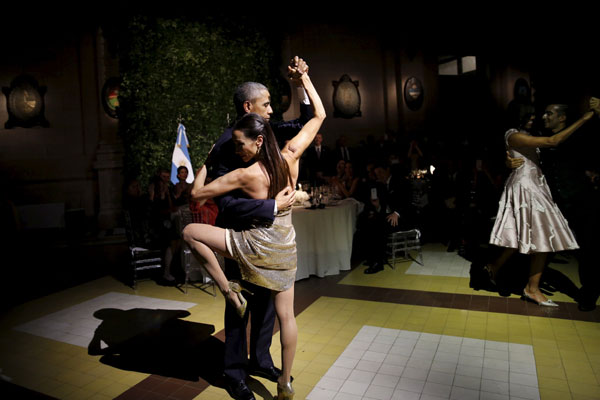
(266, 254)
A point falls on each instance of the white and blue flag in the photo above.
(181, 156)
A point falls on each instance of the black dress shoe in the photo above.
(271, 373)
(374, 268)
(586, 306)
(238, 389)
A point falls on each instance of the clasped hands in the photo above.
(296, 69)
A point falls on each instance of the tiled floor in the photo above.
(391, 335)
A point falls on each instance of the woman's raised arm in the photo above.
(296, 146)
(522, 140)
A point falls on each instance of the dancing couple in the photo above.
(266, 253)
(528, 219)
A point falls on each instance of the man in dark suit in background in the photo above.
(317, 162)
(384, 214)
(237, 212)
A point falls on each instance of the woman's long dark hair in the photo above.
(252, 125)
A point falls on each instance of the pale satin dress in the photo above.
(266, 254)
(528, 219)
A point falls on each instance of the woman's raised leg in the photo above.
(203, 239)
(284, 307)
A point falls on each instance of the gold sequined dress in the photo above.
(266, 254)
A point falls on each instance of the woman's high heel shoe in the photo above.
(285, 392)
(547, 303)
(235, 287)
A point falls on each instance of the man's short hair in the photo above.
(247, 91)
(182, 167)
(561, 109)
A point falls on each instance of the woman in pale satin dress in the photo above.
(528, 220)
(266, 254)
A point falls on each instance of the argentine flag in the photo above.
(181, 156)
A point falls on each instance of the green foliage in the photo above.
(176, 68)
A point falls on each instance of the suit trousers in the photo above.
(261, 312)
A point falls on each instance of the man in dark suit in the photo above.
(237, 212)
(317, 162)
(385, 213)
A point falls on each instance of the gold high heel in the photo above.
(285, 392)
(235, 287)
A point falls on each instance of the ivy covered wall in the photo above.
(175, 68)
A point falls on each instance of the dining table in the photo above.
(324, 237)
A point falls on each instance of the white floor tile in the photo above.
(373, 356)
(398, 365)
(77, 322)
(400, 394)
(460, 393)
(496, 354)
(493, 396)
(525, 392)
(467, 382)
(440, 377)
(347, 396)
(488, 385)
(495, 374)
(361, 376)
(355, 388)
(396, 359)
(415, 373)
(338, 372)
(370, 366)
(389, 381)
(321, 394)
(330, 383)
(411, 385)
(437, 389)
(444, 366)
(379, 392)
(390, 369)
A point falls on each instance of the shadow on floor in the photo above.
(513, 276)
(158, 342)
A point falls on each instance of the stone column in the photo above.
(109, 161)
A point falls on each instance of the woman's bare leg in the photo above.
(538, 262)
(284, 307)
(203, 239)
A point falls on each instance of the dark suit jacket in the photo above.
(235, 210)
(312, 165)
(392, 198)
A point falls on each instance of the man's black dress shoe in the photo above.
(374, 268)
(586, 306)
(238, 389)
(271, 373)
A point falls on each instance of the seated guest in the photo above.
(182, 189)
(347, 185)
(382, 215)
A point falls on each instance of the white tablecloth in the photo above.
(324, 238)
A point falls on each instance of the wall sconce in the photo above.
(25, 103)
(413, 93)
(110, 96)
(346, 98)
